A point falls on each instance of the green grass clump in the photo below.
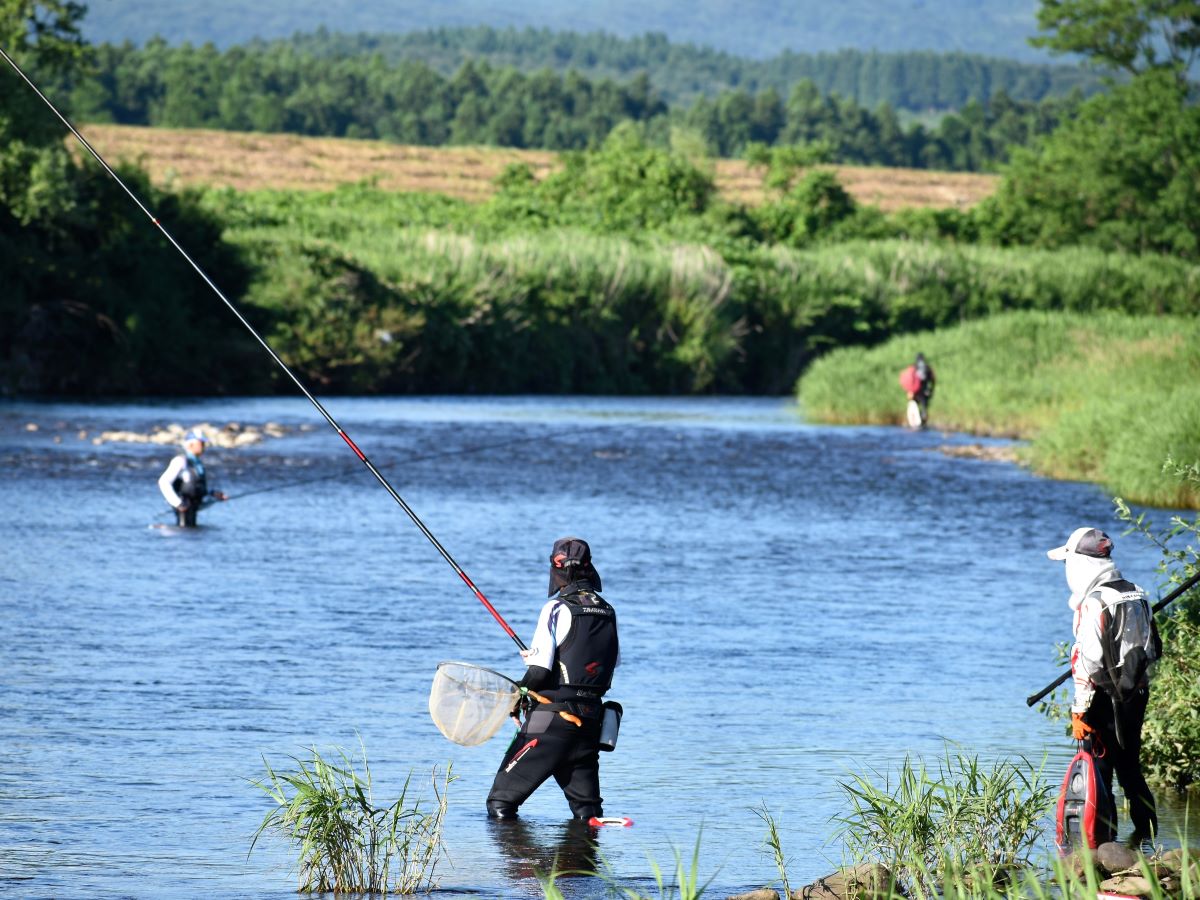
(1105, 397)
(965, 820)
(346, 843)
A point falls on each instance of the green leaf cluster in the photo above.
(1171, 735)
(94, 301)
(1123, 175)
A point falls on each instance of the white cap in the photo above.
(1086, 541)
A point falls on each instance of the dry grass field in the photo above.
(247, 161)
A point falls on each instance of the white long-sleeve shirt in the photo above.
(166, 481)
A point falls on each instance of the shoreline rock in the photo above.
(989, 452)
(229, 436)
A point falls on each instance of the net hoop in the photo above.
(470, 703)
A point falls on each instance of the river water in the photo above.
(798, 604)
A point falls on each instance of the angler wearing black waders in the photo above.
(184, 483)
(570, 662)
(1116, 643)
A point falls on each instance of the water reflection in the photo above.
(568, 849)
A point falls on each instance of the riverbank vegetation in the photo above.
(963, 819)
(1171, 737)
(1101, 396)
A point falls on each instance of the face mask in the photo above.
(1085, 574)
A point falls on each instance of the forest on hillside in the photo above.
(752, 28)
(279, 87)
(914, 80)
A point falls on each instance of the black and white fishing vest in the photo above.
(586, 657)
(191, 483)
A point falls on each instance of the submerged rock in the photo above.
(760, 894)
(990, 452)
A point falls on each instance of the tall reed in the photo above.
(682, 882)
(965, 820)
(346, 843)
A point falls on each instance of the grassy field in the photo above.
(249, 161)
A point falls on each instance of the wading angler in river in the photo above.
(184, 483)
(570, 662)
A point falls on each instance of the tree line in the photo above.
(915, 81)
(279, 88)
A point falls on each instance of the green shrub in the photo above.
(1171, 736)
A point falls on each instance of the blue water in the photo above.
(798, 604)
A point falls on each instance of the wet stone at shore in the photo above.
(866, 881)
(1124, 871)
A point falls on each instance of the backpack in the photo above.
(1129, 640)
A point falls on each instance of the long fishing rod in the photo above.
(1157, 607)
(313, 400)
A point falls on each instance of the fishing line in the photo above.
(313, 400)
(356, 471)
(410, 460)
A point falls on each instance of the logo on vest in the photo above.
(593, 668)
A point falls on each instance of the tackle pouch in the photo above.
(610, 726)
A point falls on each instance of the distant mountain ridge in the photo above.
(752, 28)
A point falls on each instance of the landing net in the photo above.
(469, 703)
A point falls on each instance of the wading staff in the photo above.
(313, 400)
(1157, 607)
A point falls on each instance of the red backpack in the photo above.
(909, 380)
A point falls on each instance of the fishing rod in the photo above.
(275, 356)
(1157, 607)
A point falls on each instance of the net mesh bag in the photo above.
(469, 703)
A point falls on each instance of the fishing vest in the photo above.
(1129, 640)
(191, 483)
(584, 661)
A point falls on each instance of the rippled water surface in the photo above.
(797, 603)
